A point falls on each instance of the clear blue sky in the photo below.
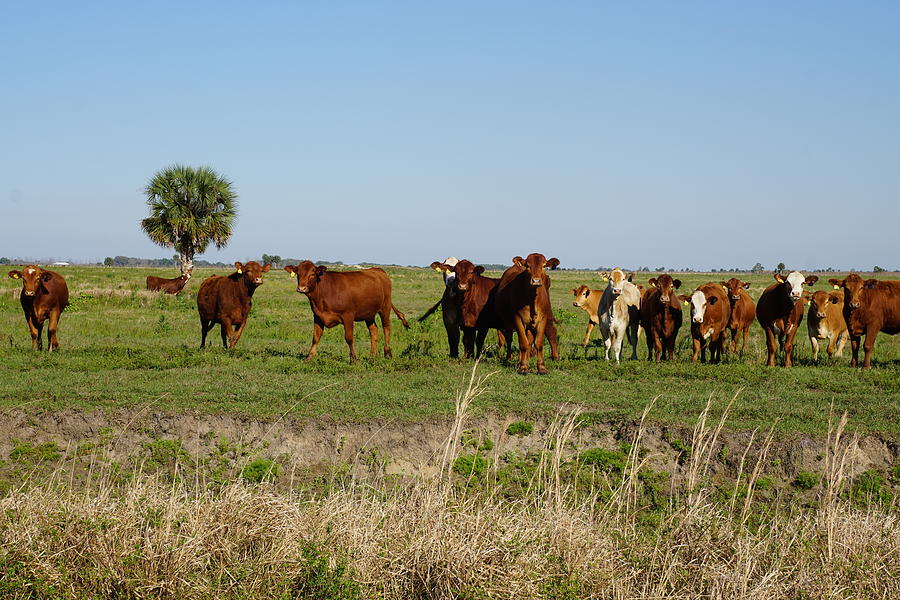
(699, 134)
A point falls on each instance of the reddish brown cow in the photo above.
(523, 303)
(44, 296)
(477, 312)
(825, 321)
(342, 298)
(227, 301)
(870, 306)
(780, 312)
(743, 311)
(661, 317)
(169, 286)
(710, 314)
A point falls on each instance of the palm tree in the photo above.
(189, 208)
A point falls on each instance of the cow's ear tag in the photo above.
(725, 287)
(685, 302)
(837, 287)
(15, 275)
(292, 274)
(239, 271)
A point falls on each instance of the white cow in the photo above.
(619, 312)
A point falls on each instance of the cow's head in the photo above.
(698, 302)
(535, 264)
(820, 300)
(445, 268)
(733, 288)
(795, 282)
(252, 271)
(308, 275)
(465, 274)
(666, 284)
(853, 286)
(32, 277)
(581, 296)
(617, 279)
(185, 276)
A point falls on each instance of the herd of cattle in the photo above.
(519, 302)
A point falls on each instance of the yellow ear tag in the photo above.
(686, 303)
(239, 271)
(837, 287)
(292, 274)
(725, 287)
(16, 276)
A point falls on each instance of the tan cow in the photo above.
(825, 320)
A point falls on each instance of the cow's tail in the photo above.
(430, 311)
(400, 316)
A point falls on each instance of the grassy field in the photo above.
(122, 347)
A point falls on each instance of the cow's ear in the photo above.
(834, 298)
(812, 279)
(289, 269)
(746, 285)
(603, 275)
(630, 276)
(437, 266)
(448, 268)
(479, 269)
(238, 267)
(45, 276)
(15, 274)
(837, 283)
(552, 263)
(870, 283)
(676, 283)
(684, 298)
(652, 282)
(778, 277)
(266, 268)
(519, 261)
(320, 270)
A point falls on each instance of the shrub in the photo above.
(519, 428)
(806, 480)
(318, 579)
(605, 460)
(261, 469)
(469, 465)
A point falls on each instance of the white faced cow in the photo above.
(619, 313)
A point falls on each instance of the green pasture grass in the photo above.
(122, 346)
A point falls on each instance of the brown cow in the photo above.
(169, 286)
(449, 304)
(477, 312)
(227, 301)
(825, 320)
(743, 312)
(44, 296)
(342, 298)
(780, 311)
(869, 307)
(523, 303)
(661, 317)
(710, 315)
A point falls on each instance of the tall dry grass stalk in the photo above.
(464, 398)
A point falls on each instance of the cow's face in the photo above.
(581, 296)
(820, 300)
(185, 276)
(666, 286)
(853, 286)
(446, 268)
(31, 277)
(617, 279)
(698, 303)
(535, 264)
(253, 271)
(733, 288)
(465, 274)
(308, 275)
(795, 282)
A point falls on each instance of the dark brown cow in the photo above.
(523, 303)
(169, 286)
(780, 312)
(743, 311)
(661, 317)
(227, 301)
(477, 312)
(449, 304)
(44, 296)
(870, 307)
(825, 321)
(342, 298)
(710, 314)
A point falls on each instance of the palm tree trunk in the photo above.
(187, 262)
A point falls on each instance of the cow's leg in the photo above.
(237, 334)
(869, 344)
(854, 350)
(40, 330)
(832, 341)
(770, 347)
(550, 334)
(52, 339)
(226, 331)
(452, 338)
(386, 325)
(744, 339)
(501, 342)
(633, 338)
(373, 336)
(587, 334)
(524, 346)
(696, 344)
(480, 335)
(348, 337)
(539, 334)
(318, 327)
(789, 347)
(814, 343)
(468, 339)
(205, 326)
(841, 340)
(617, 338)
(657, 348)
(650, 343)
(36, 342)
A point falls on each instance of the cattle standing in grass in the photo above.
(661, 317)
(44, 296)
(227, 301)
(743, 312)
(523, 303)
(870, 307)
(710, 314)
(780, 312)
(588, 300)
(825, 320)
(169, 286)
(449, 304)
(477, 312)
(342, 298)
(620, 312)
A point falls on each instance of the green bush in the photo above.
(320, 581)
(605, 460)
(261, 469)
(806, 480)
(470, 465)
(519, 428)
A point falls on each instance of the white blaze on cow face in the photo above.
(795, 280)
(698, 306)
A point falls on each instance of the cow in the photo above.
(44, 296)
(780, 312)
(588, 300)
(227, 301)
(710, 316)
(870, 306)
(449, 304)
(522, 301)
(477, 312)
(743, 311)
(344, 297)
(825, 320)
(661, 317)
(620, 312)
(169, 286)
